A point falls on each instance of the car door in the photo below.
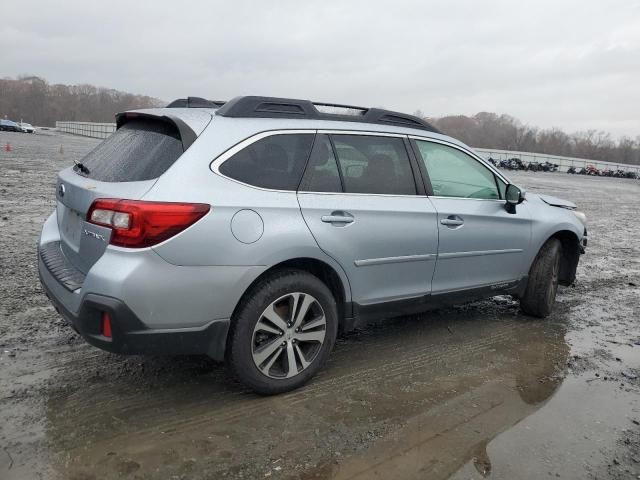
(480, 243)
(360, 200)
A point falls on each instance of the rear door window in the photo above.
(276, 162)
(139, 150)
(322, 173)
(371, 164)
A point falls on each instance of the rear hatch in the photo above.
(125, 166)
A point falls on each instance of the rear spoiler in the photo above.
(187, 135)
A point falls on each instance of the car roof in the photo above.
(274, 107)
(253, 114)
(252, 106)
(198, 119)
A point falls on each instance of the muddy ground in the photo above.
(477, 391)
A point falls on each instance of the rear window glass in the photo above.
(139, 150)
(275, 162)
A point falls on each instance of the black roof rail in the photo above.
(272, 107)
(195, 102)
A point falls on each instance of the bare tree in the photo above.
(490, 130)
(32, 99)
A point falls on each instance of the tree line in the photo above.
(504, 132)
(33, 100)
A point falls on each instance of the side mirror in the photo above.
(514, 196)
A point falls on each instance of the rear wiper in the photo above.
(81, 167)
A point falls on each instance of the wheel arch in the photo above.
(338, 286)
(570, 243)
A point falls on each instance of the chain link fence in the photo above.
(87, 129)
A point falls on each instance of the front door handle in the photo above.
(452, 221)
(338, 217)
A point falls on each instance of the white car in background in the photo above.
(26, 127)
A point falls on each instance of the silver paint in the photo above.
(395, 247)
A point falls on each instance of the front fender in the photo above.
(539, 239)
(564, 226)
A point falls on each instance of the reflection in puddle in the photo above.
(414, 398)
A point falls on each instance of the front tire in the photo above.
(542, 286)
(283, 332)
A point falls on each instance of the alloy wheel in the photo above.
(288, 335)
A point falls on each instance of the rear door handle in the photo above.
(337, 217)
(452, 221)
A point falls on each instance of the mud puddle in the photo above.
(409, 379)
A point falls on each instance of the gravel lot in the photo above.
(474, 391)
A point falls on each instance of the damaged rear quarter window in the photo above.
(139, 150)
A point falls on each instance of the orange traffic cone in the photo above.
(7, 147)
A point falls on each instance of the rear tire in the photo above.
(542, 285)
(288, 319)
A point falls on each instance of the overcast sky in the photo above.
(568, 63)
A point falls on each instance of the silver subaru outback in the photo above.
(255, 230)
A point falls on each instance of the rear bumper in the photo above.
(130, 335)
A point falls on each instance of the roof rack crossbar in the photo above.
(272, 107)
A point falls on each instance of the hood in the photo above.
(557, 202)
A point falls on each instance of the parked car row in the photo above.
(517, 164)
(591, 170)
(11, 126)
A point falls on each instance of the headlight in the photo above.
(581, 216)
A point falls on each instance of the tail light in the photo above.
(106, 325)
(138, 224)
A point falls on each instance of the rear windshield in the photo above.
(139, 150)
